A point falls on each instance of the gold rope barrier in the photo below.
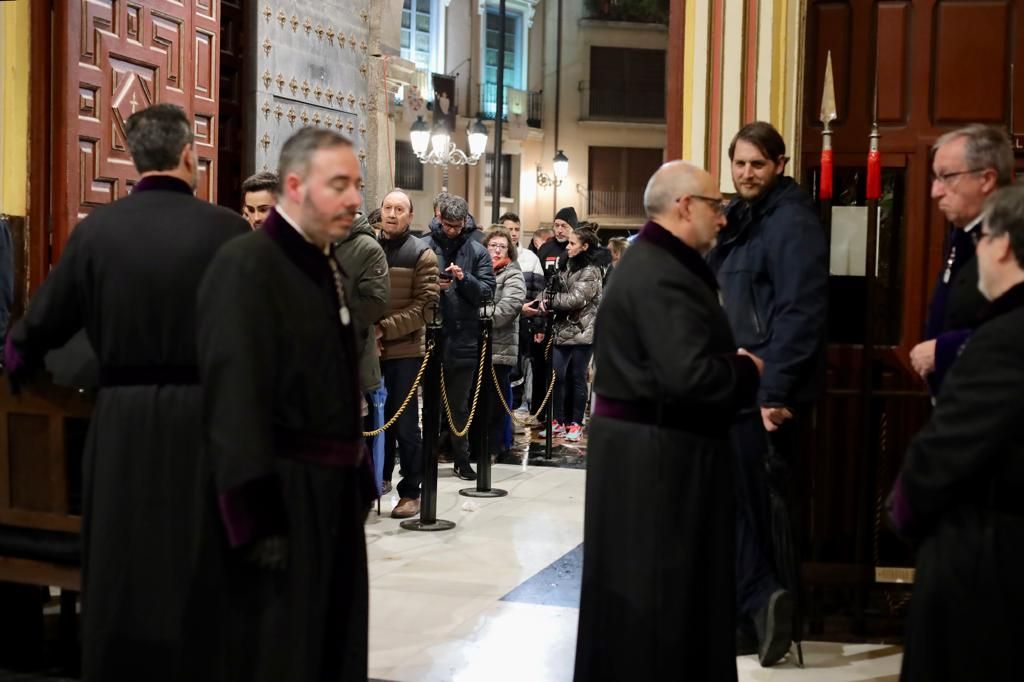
(476, 395)
(408, 398)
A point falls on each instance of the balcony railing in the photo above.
(487, 102)
(643, 11)
(601, 103)
(615, 203)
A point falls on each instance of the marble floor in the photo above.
(496, 597)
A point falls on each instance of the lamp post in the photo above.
(443, 151)
(561, 166)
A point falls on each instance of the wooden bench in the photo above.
(42, 438)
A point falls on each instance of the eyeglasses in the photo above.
(948, 179)
(978, 236)
(496, 247)
(716, 203)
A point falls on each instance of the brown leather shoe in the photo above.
(407, 507)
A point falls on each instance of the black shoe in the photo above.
(465, 471)
(774, 623)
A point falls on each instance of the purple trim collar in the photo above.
(655, 234)
(304, 255)
(164, 183)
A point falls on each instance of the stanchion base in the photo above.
(416, 524)
(493, 492)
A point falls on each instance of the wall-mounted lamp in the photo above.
(561, 164)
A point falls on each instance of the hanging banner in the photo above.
(516, 105)
(444, 100)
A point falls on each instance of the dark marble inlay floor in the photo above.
(557, 585)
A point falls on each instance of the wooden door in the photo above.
(115, 57)
(233, 130)
(940, 64)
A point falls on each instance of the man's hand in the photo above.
(757, 361)
(455, 271)
(531, 309)
(922, 358)
(270, 553)
(774, 417)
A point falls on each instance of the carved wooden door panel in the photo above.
(940, 64)
(232, 130)
(111, 59)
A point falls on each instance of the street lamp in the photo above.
(443, 151)
(561, 165)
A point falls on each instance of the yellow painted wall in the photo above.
(14, 101)
(780, 32)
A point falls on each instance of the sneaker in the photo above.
(465, 471)
(558, 430)
(574, 432)
(774, 624)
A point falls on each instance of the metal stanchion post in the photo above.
(549, 412)
(428, 520)
(483, 417)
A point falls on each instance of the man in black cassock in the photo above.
(959, 493)
(129, 276)
(658, 543)
(278, 360)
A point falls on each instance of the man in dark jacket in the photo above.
(959, 493)
(412, 267)
(565, 222)
(770, 264)
(467, 279)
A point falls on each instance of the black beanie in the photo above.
(568, 214)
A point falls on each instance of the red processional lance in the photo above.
(828, 114)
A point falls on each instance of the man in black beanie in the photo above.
(565, 222)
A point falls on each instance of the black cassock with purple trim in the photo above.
(129, 276)
(282, 405)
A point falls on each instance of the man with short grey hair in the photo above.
(958, 496)
(129, 276)
(970, 163)
(281, 387)
(466, 280)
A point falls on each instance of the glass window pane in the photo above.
(422, 42)
(423, 60)
(407, 4)
(492, 21)
(405, 39)
(406, 19)
(423, 23)
(492, 58)
(423, 6)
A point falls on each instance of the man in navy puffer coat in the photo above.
(771, 266)
(466, 280)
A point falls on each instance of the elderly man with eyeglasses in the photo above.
(771, 266)
(969, 164)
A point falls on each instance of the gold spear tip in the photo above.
(828, 95)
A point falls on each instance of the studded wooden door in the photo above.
(115, 57)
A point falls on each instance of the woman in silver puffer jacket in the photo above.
(576, 296)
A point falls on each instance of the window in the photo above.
(506, 175)
(416, 25)
(618, 176)
(408, 169)
(513, 76)
(627, 83)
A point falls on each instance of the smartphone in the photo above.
(445, 276)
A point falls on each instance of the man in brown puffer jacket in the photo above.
(412, 267)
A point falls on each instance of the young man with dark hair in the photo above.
(129, 276)
(258, 197)
(770, 264)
